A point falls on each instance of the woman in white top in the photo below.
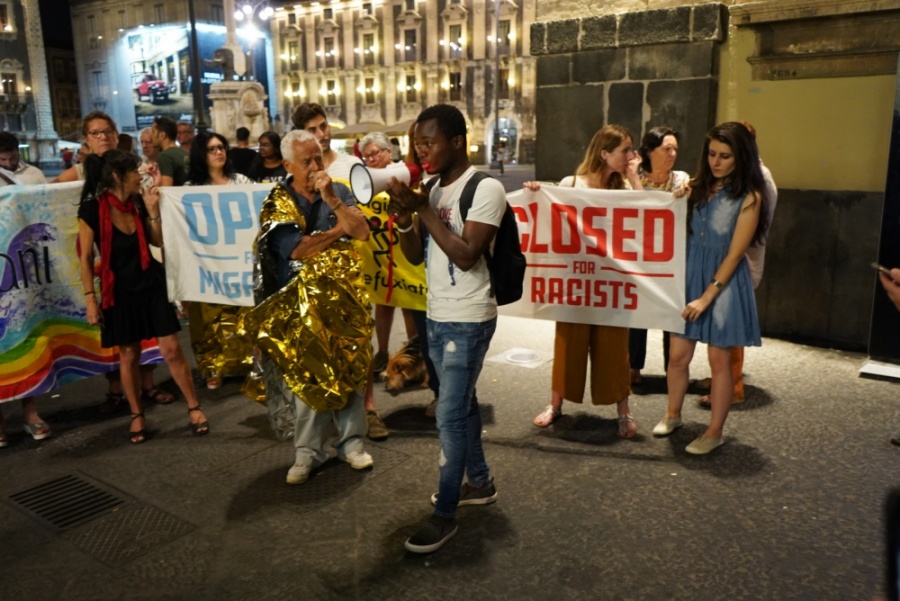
(610, 163)
(659, 149)
(217, 348)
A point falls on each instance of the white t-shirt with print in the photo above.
(455, 295)
(340, 168)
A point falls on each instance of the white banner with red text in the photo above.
(606, 257)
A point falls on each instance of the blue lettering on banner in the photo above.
(231, 284)
(213, 220)
(194, 203)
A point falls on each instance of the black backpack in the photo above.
(507, 264)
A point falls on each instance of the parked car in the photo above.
(147, 85)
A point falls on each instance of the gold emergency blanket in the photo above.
(317, 328)
(214, 339)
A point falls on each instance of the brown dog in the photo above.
(406, 368)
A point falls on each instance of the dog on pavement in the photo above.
(406, 368)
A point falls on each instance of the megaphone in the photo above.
(367, 183)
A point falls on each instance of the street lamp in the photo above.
(196, 86)
(496, 144)
(246, 11)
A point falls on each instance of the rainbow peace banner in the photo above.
(45, 341)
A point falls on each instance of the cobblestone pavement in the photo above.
(789, 508)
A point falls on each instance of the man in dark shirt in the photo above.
(242, 156)
(173, 161)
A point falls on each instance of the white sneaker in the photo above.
(359, 460)
(299, 473)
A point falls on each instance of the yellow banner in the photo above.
(380, 252)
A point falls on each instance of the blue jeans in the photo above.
(458, 351)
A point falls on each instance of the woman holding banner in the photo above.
(726, 214)
(610, 163)
(659, 149)
(133, 284)
(219, 351)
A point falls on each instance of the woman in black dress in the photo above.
(134, 306)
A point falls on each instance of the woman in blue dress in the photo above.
(726, 214)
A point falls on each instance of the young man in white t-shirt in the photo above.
(462, 311)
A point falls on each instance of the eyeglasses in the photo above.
(99, 133)
(372, 155)
(215, 149)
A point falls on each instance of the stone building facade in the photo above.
(384, 61)
(816, 78)
(63, 79)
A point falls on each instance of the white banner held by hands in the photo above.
(605, 257)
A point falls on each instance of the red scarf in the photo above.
(107, 278)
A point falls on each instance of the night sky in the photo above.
(56, 22)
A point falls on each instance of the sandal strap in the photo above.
(135, 416)
(192, 409)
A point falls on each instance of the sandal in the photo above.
(38, 431)
(139, 436)
(546, 417)
(213, 382)
(627, 427)
(706, 401)
(114, 401)
(157, 395)
(201, 428)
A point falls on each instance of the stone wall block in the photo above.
(859, 215)
(625, 102)
(562, 36)
(538, 39)
(599, 66)
(690, 108)
(567, 118)
(710, 22)
(598, 32)
(673, 61)
(816, 287)
(553, 70)
(655, 26)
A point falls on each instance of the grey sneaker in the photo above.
(469, 495)
(377, 429)
(432, 535)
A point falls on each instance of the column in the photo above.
(45, 135)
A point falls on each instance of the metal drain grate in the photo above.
(67, 502)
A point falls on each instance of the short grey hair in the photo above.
(377, 138)
(295, 136)
(146, 130)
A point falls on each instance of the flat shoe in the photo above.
(703, 445)
(667, 425)
(3, 441)
(38, 431)
(546, 417)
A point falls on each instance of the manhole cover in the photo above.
(67, 502)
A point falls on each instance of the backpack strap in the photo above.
(468, 193)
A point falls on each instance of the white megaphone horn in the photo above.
(367, 183)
